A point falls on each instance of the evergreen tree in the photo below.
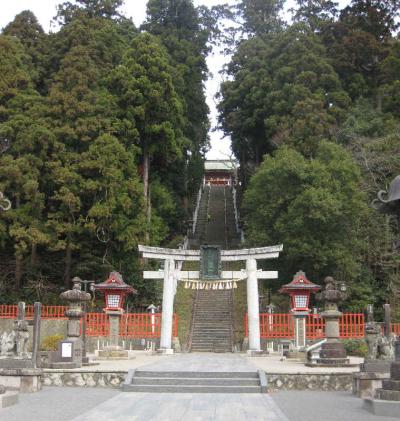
(151, 111)
(260, 17)
(27, 29)
(315, 208)
(316, 13)
(281, 92)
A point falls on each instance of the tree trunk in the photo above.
(148, 216)
(68, 264)
(146, 190)
(18, 271)
(146, 165)
(33, 254)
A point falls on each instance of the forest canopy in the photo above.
(107, 127)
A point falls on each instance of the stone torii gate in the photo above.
(172, 273)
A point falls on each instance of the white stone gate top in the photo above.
(257, 253)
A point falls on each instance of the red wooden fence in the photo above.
(133, 325)
(48, 312)
(281, 325)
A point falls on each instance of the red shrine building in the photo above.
(220, 172)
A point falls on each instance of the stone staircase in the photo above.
(212, 319)
(212, 322)
(194, 382)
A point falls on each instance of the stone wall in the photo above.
(83, 378)
(323, 382)
(114, 379)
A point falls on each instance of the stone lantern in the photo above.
(299, 291)
(70, 349)
(332, 351)
(115, 291)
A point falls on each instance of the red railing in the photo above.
(281, 325)
(48, 312)
(97, 324)
(351, 325)
(395, 328)
(133, 325)
(276, 325)
(315, 327)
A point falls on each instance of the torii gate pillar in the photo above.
(167, 308)
(253, 307)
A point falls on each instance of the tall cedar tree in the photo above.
(150, 108)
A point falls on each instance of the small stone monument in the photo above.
(115, 290)
(332, 353)
(69, 353)
(18, 367)
(376, 367)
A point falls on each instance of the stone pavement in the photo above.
(91, 404)
(96, 404)
(211, 361)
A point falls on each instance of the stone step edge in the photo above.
(190, 374)
(191, 389)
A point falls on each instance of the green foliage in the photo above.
(314, 207)
(355, 347)
(281, 92)
(50, 343)
(85, 108)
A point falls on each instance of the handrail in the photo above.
(196, 211)
(237, 215)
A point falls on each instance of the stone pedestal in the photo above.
(365, 384)
(24, 380)
(387, 399)
(332, 351)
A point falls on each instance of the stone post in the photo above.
(114, 318)
(387, 322)
(36, 332)
(299, 329)
(253, 307)
(167, 308)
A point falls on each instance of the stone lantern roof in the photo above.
(115, 283)
(300, 283)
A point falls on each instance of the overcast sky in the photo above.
(45, 10)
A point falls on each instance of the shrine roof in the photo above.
(300, 282)
(115, 283)
(220, 165)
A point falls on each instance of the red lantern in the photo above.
(115, 291)
(299, 291)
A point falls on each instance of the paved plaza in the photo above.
(208, 361)
(94, 404)
(102, 404)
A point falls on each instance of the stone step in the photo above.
(192, 382)
(196, 381)
(191, 389)
(196, 374)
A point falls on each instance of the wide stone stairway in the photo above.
(197, 373)
(212, 319)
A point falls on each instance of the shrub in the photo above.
(356, 347)
(50, 343)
